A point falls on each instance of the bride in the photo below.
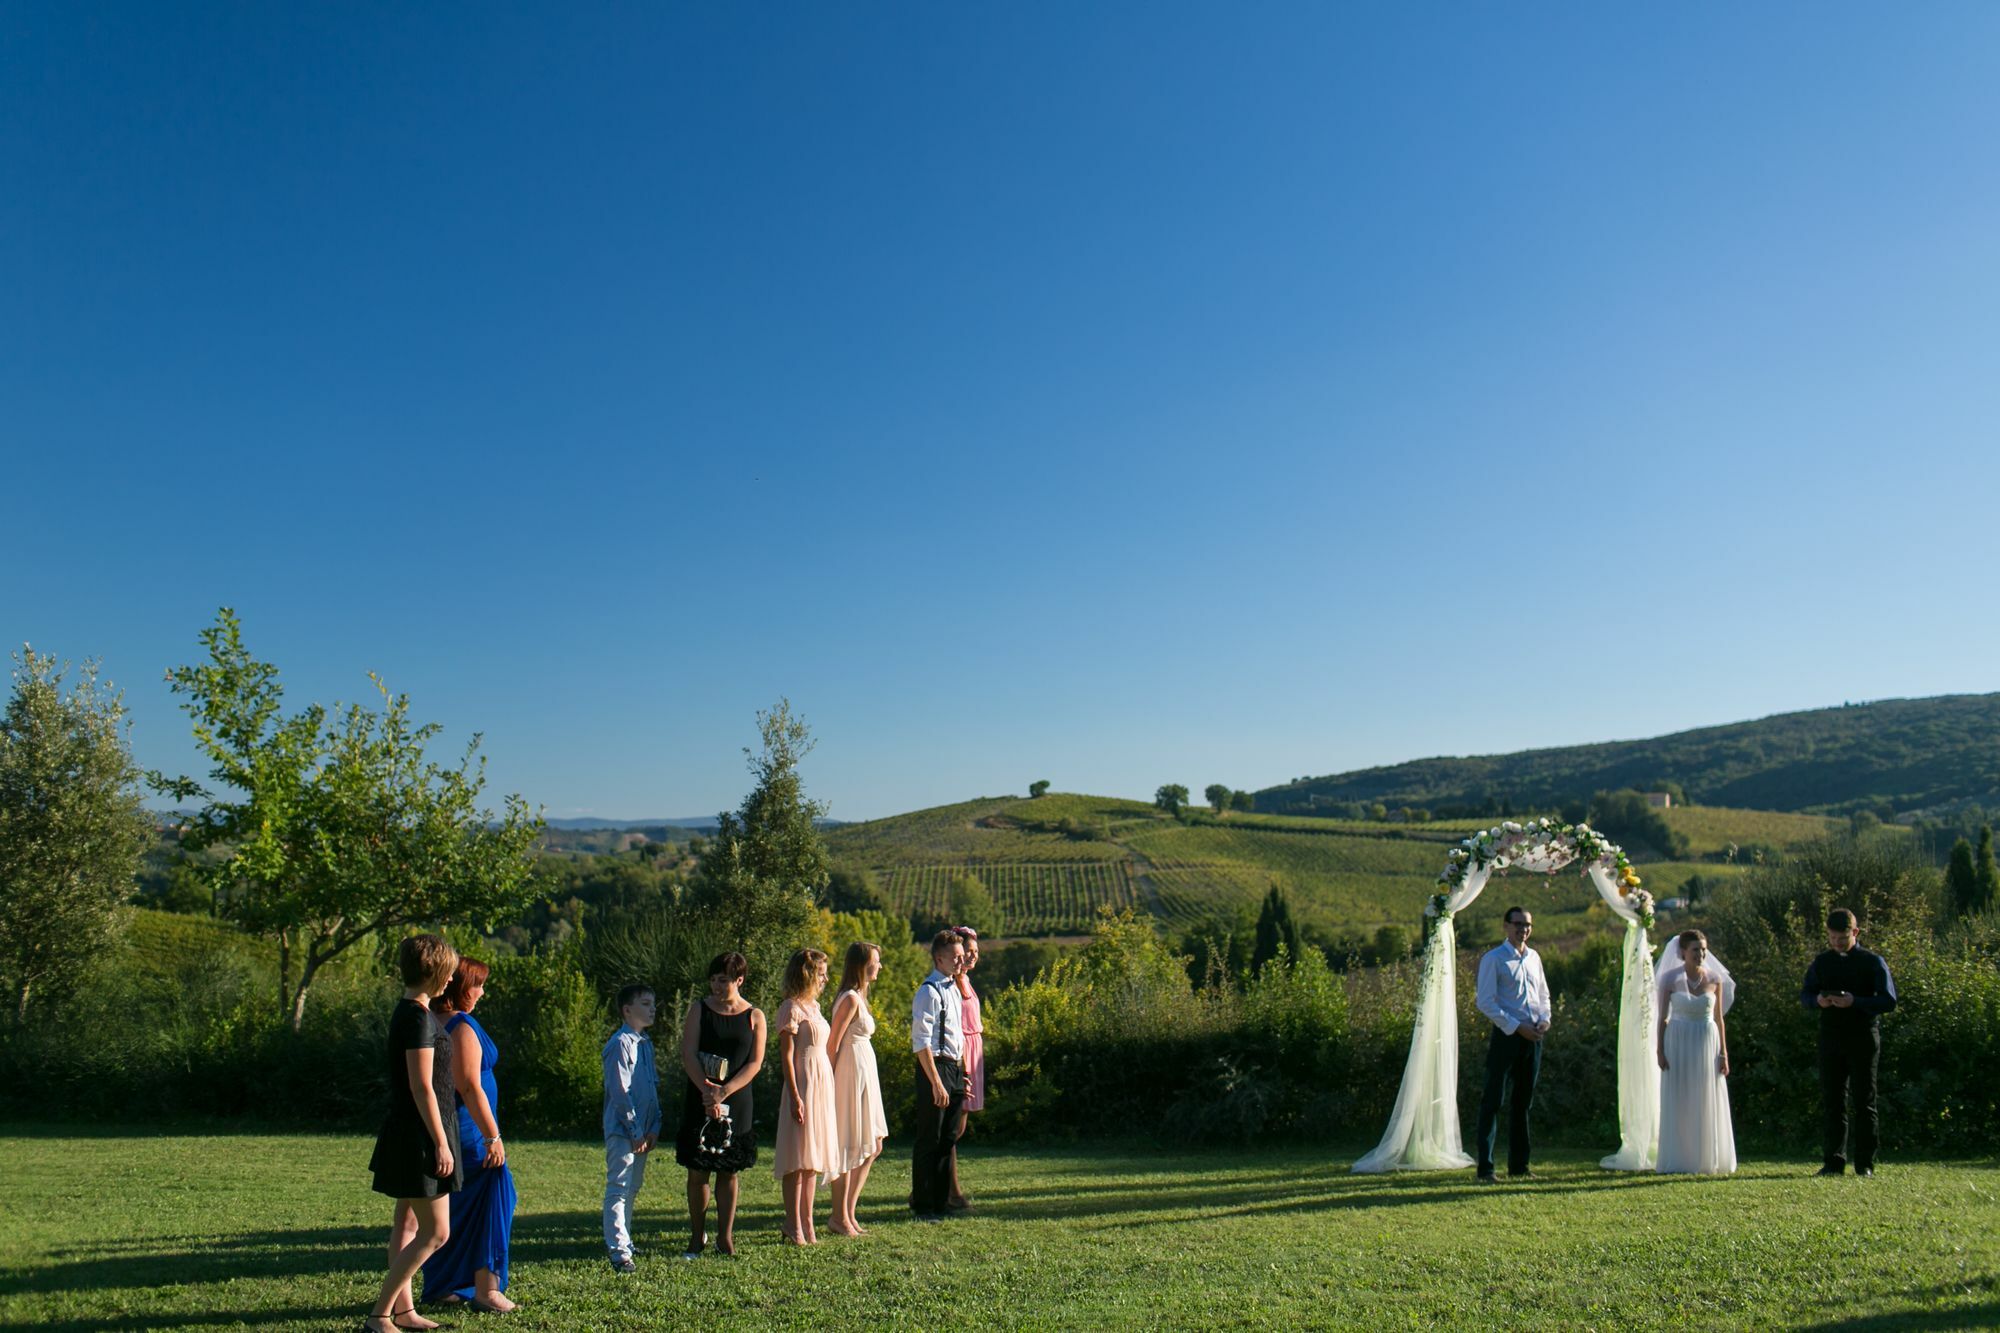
(1695, 991)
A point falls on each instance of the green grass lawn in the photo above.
(281, 1232)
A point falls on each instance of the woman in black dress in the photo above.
(416, 1152)
(718, 1134)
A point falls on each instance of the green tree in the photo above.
(759, 875)
(972, 904)
(1275, 929)
(1392, 944)
(71, 827)
(1171, 798)
(337, 829)
(1038, 787)
(852, 890)
(1961, 879)
(1242, 800)
(1986, 877)
(1217, 794)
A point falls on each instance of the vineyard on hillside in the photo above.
(1037, 898)
(1053, 862)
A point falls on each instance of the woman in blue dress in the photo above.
(471, 1267)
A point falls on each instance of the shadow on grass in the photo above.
(537, 1238)
(342, 1315)
(1985, 1315)
(559, 1236)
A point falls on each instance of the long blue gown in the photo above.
(482, 1210)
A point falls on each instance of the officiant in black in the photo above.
(1851, 989)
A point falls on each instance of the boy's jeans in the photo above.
(624, 1172)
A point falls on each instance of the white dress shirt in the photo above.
(937, 1018)
(1512, 989)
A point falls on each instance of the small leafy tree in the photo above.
(338, 829)
(1217, 794)
(1038, 787)
(1242, 800)
(71, 826)
(759, 875)
(1961, 879)
(1171, 798)
(972, 904)
(852, 890)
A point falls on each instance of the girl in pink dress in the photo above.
(975, 1056)
(808, 1140)
(857, 1085)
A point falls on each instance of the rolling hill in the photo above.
(1053, 861)
(1908, 755)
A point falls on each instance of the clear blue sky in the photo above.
(1114, 394)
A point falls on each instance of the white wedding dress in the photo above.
(1696, 1136)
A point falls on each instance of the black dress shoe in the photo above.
(1831, 1171)
(1485, 1178)
(1864, 1171)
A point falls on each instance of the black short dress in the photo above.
(731, 1037)
(405, 1160)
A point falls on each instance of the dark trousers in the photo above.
(1511, 1061)
(938, 1128)
(1848, 1060)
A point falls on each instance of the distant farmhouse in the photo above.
(1659, 800)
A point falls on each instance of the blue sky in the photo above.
(1113, 394)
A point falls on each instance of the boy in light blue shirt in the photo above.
(631, 1118)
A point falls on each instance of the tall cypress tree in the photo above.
(1274, 927)
(1985, 874)
(1961, 878)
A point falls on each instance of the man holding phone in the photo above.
(1851, 989)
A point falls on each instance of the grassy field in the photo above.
(1709, 829)
(281, 1233)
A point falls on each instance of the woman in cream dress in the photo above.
(1695, 990)
(808, 1140)
(857, 1087)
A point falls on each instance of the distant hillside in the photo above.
(1906, 754)
(701, 822)
(1053, 861)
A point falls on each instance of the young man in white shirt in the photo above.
(937, 1036)
(1514, 994)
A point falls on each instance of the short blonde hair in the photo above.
(806, 964)
(427, 962)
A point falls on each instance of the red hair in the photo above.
(470, 972)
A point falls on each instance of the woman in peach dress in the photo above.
(808, 1139)
(857, 1086)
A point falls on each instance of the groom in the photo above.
(1514, 993)
(937, 1036)
(1851, 989)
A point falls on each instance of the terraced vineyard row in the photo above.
(1037, 898)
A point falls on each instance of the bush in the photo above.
(551, 1026)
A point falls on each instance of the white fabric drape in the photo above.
(1423, 1132)
(1638, 1061)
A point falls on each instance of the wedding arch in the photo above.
(1423, 1132)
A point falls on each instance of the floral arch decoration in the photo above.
(1423, 1132)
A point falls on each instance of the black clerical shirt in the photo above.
(1857, 972)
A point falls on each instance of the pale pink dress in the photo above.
(975, 1047)
(814, 1144)
(857, 1093)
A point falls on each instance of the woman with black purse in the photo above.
(722, 1048)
